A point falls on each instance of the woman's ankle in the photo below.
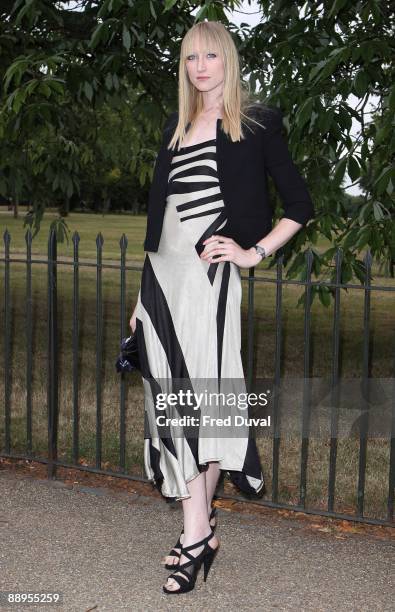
(197, 532)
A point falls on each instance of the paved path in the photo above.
(102, 550)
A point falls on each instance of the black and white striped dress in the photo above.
(189, 337)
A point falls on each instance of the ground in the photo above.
(99, 541)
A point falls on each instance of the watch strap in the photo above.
(260, 250)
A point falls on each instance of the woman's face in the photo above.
(204, 62)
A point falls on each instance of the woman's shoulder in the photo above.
(269, 117)
(171, 121)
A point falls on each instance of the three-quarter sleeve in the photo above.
(289, 183)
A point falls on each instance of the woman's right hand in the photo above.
(132, 321)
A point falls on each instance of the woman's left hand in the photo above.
(229, 250)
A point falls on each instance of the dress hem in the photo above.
(180, 497)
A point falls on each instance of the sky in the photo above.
(250, 14)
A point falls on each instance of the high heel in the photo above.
(176, 553)
(213, 515)
(208, 561)
(187, 579)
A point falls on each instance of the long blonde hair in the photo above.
(236, 97)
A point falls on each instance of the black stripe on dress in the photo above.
(193, 171)
(221, 313)
(199, 246)
(202, 214)
(155, 389)
(251, 467)
(215, 197)
(178, 187)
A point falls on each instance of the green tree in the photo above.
(328, 65)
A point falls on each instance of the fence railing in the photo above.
(52, 262)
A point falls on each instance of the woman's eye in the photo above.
(191, 57)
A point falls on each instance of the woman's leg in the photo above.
(212, 475)
(196, 524)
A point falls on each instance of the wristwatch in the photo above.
(260, 250)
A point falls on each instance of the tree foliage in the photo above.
(328, 65)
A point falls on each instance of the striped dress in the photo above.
(189, 338)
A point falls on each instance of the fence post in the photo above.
(52, 388)
(7, 344)
(250, 328)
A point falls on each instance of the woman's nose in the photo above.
(201, 64)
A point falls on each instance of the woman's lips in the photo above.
(202, 78)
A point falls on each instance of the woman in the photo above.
(208, 216)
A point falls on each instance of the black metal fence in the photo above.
(52, 263)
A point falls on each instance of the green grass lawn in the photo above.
(292, 322)
(88, 227)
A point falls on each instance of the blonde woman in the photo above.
(208, 216)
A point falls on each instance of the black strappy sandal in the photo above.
(190, 569)
(175, 553)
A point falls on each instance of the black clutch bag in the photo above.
(128, 359)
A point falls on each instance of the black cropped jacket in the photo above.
(242, 169)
